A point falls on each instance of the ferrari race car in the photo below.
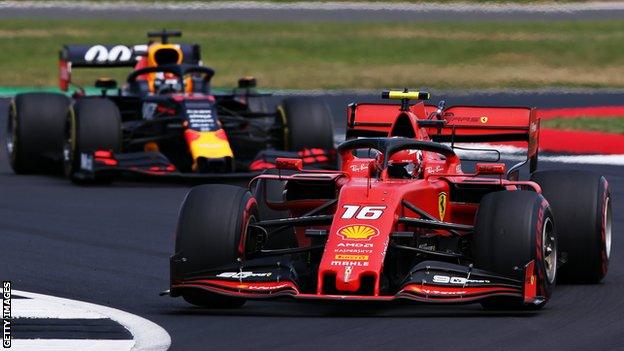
(400, 220)
(163, 122)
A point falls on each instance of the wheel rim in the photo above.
(549, 250)
(607, 226)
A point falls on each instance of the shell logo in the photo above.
(358, 232)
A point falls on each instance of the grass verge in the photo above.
(602, 124)
(352, 55)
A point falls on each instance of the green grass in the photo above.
(602, 124)
(354, 55)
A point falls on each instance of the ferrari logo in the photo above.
(358, 232)
(484, 120)
(442, 205)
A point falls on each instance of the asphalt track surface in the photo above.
(110, 246)
(250, 11)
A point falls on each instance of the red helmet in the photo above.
(410, 160)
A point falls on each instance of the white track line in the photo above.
(70, 344)
(319, 5)
(39, 308)
(147, 335)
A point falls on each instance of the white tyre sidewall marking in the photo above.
(148, 336)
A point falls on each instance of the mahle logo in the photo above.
(358, 232)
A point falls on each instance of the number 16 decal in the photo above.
(362, 212)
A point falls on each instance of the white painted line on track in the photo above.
(70, 344)
(148, 336)
(39, 308)
(320, 5)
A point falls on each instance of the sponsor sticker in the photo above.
(427, 291)
(350, 263)
(101, 54)
(436, 169)
(359, 168)
(352, 257)
(355, 245)
(353, 251)
(243, 275)
(444, 279)
(358, 232)
(262, 287)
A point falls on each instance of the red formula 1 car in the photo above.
(400, 220)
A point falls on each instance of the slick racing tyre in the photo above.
(35, 130)
(212, 232)
(581, 203)
(93, 124)
(513, 228)
(307, 124)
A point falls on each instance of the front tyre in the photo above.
(34, 139)
(212, 232)
(512, 229)
(93, 124)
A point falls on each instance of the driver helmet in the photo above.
(165, 82)
(405, 164)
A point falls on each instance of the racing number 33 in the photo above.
(362, 212)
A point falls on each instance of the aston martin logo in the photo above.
(442, 205)
(358, 232)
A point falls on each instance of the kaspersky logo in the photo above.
(358, 232)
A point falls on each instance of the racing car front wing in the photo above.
(428, 282)
(156, 166)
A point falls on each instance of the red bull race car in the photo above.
(163, 122)
(400, 220)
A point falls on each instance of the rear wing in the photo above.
(75, 56)
(472, 124)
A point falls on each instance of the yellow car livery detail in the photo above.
(208, 144)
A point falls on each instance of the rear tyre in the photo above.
(212, 232)
(513, 228)
(93, 124)
(581, 203)
(35, 132)
(307, 124)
